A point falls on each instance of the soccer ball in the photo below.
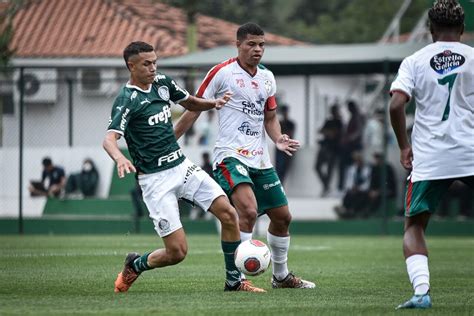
(252, 257)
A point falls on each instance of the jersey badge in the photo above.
(268, 86)
(134, 95)
(240, 83)
(164, 93)
(242, 170)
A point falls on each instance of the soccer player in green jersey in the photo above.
(141, 113)
(440, 78)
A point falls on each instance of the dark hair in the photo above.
(249, 28)
(446, 14)
(135, 48)
(47, 162)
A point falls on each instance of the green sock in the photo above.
(232, 274)
(141, 264)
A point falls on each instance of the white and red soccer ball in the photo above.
(252, 257)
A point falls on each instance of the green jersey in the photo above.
(144, 119)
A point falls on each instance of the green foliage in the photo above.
(63, 275)
(325, 21)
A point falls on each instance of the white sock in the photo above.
(244, 237)
(279, 248)
(417, 267)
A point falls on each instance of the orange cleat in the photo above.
(126, 278)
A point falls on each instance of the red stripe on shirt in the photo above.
(402, 92)
(409, 196)
(211, 75)
(271, 104)
(226, 174)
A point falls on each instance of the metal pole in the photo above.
(70, 103)
(20, 158)
(384, 155)
(307, 110)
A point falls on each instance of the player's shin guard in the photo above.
(279, 247)
(232, 274)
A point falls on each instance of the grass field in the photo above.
(58, 275)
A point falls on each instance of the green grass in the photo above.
(58, 275)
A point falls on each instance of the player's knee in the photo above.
(177, 254)
(228, 216)
(283, 221)
(248, 213)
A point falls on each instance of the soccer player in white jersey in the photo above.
(440, 77)
(241, 159)
(141, 113)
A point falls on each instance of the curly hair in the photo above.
(446, 14)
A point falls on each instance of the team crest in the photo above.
(268, 86)
(164, 225)
(242, 170)
(164, 93)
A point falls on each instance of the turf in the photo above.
(58, 275)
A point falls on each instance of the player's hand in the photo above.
(287, 145)
(221, 101)
(124, 166)
(406, 158)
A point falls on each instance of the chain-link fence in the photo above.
(62, 113)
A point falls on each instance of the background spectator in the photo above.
(376, 185)
(329, 148)
(84, 182)
(351, 140)
(288, 127)
(53, 180)
(354, 202)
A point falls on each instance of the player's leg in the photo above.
(421, 200)
(161, 201)
(230, 240)
(209, 196)
(235, 180)
(272, 200)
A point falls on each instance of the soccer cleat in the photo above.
(417, 301)
(244, 286)
(128, 275)
(292, 282)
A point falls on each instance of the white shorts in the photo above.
(161, 191)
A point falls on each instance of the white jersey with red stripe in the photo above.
(241, 130)
(440, 77)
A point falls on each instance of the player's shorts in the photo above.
(161, 191)
(265, 183)
(424, 196)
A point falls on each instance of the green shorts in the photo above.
(265, 183)
(424, 196)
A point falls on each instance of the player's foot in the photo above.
(417, 301)
(244, 286)
(293, 282)
(128, 275)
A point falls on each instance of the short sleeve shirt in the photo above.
(143, 117)
(440, 77)
(241, 130)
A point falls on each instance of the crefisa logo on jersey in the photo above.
(446, 61)
(164, 93)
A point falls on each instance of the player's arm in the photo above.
(398, 120)
(193, 103)
(185, 122)
(282, 141)
(111, 147)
